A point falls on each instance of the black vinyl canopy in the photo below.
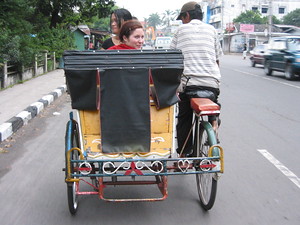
(118, 83)
(92, 60)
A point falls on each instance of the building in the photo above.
(220, 13)
(86, 38)
(97, 37)
(81, 37)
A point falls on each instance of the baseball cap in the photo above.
(189, 6)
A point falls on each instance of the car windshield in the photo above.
(259, 48)
(294, 44)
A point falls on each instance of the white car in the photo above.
(257, 54)
(162, 42)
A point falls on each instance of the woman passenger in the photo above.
(131, 36)
(117, 18)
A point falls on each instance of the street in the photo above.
(259, 134)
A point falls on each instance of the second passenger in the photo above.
(118, 17)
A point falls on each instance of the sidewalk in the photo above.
(23, 102)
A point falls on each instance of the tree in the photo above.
(168, 15)
(55, 40)
(13, 15)
(249, 17)
(16, 30)
(177, 13)
(9, 48)
(101, 24)
(71, 11)
(154, 20)
(275, 20)
(29, 26)
(292, 18)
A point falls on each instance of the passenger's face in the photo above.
(114, 24)
(136, 39)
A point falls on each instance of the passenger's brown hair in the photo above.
(128, 27)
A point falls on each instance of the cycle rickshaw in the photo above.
(123, 132)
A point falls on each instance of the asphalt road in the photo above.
(259, 133)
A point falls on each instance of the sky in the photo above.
(143, 8)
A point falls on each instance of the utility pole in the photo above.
(222, 23)
(222, 16)
(270, 22)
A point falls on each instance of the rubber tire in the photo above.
(288, 72)
(72, 198)
(71, 187)
(267, 69)
(206, 183)
(71, 190)
(253, 63)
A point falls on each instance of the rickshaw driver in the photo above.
(201, 49)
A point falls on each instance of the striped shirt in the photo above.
(201, 48)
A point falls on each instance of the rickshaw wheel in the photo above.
(72, 187)
(206, 182)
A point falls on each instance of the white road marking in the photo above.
(266, 78)
(280, 166)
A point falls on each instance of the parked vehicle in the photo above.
(147, 46)
(257, 54)
(283, 55)
(162, 42)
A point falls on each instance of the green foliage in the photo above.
(254, 17)
(154, 20)
(249, 17)
(28, 48)
(49, 65)
(71, 12)
(17, 49)
(20, 49)
(275, 20)
(31, 26)
(292, 18)
(100, 8)
(168, 16)
(101, 24)
(9, 47)
(55, 40)
(13, 16)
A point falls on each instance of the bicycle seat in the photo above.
(204, 106)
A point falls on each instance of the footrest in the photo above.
(204, 106)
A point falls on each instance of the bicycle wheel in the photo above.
(206, 182)
(71, 142)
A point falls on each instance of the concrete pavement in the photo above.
(23, 102)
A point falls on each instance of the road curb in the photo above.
(15, 123)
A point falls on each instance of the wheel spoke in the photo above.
(206, 184)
